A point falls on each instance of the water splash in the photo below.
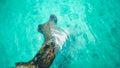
(60, 37)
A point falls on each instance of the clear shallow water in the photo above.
(93, 28)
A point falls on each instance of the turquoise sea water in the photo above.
(93, 28)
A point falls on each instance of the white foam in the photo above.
(60, 37)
